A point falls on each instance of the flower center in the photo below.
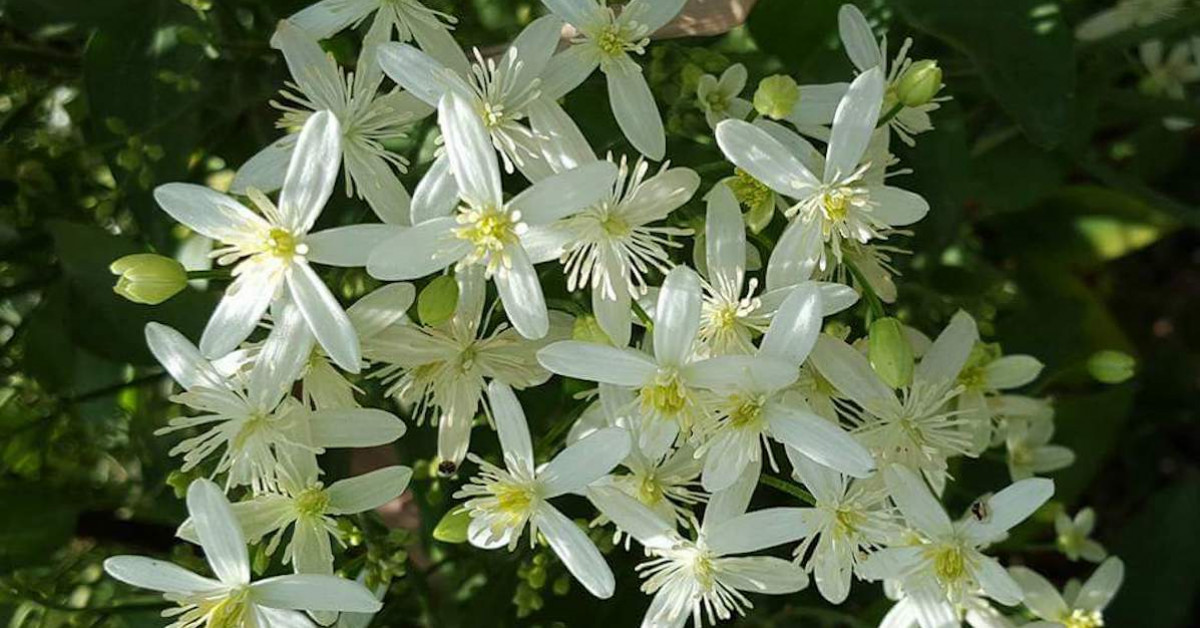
(717, 101)
(949, 565)
(312, 502)
(746, 412)
(513, 502)
(666, 395)
(1080, 618)
(649, 491)
(836, 204)
(846, 522)
(703, 569)
(252, 426)
(282, 244)
(610, 41)
(229, 611)
(492, 114)
(614, 225)
(490, 230)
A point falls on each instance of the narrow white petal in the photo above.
(181, 358)
(218, 531)
(585, 461)
(652, 14)
(634, 107)
(849, 372)
(282, 358)
(348, 247)
(266, 169)
(576, 12)
(633, 517)
(511, 426)
(889, 562)
(436, 194)
(858, 38)
(996, 583)
(1099, 589)
(795, 255)
(945, 359)
(740, 373)
(576, 551)
(1012, 371)
(565, 193)
(157, 575)
(796, 325)
(916, 503)
(597, 363)
(796, 145)
(521, 293)
(368, 491)
(313, 70)
(764, 574)
(416, 72)
(764, 158)
(354, 427)
(312, 172)
(614, 316)
(819, 439)
(567, 69)
(897, 207)
(816, 107)
(1038, 594)
(209, 212)
(376, 182)
(760, 530)
(469, 148)
(833, 572)
(417, 251)
(534, 46)
(725, 239)
(1009, 507)
(853, 124)
(314, 592)
(563, 144)
(381, 308)
(1103, 24)
(435, 39)
(328, 17)
(325, 316)
(677, 316)
(731, 502)
(238, 313)
(824, 483)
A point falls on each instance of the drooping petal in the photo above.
(662, 194)
(725, 239)
(435, 39)
(354, 427)
(677, 316)
(312, 172)
(244, 303)
(764, 158)
(325, 316)
(945, 359)
(436, 194)
(381, 308)
(795, 255)
(798, 146)
(819, 439)
(634, 108)
(521, 293)
(796, 325)
(328, 17)
(824, 483)
(511, 426)
(741, 373)
(218, 531)
(585, 461)
(833, 571)
(563, 144)
(566, 193)
(282, 358)
(313, 69)
(996, 583)
(915, 502)
(763, 574)
(853, 124)
(157, 575)
(376, 182)
(181, 358)
(816, 107)
(576, 551)
(731, 502)
(614, 316)
(417, 251)
(898, 207)
(760, 530)
(208, 212)
(849, 372)
(597, 363)
(469, 148)
(889, 562)
(348, 247)
(858, 39)
(314, 592)
(534, 46)
(368, 491)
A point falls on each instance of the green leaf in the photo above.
(34, 522)
(1023, 50)
(794, 31)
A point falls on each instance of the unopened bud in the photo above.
(148, 278)
(453, 527)
(890, 353)
(919, 83)
(776, 96)
(438, 300)
(1111, 367)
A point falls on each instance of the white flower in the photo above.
(1079, 606)
(611, 245)
(273, 251)
(500, 92)
(367, 119)
(1029, 450)
(444, 369)
(850, 520)
(843, 204)
(865, 53)
(605, 41)
(946, 564)
(721, 99)
(1125, 15)
(501, 501)
(247, 419)
(1072, 536)
(232, 599)
(1169, 73)
(487, 230)
(916, 429)
(705, 578)
(755, 408)
(985, 375)
(409, 19)
(669, 385)
(914, 612)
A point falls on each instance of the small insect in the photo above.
(447, 467)
(980, 509)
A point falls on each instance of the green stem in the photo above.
(887, 117)
(220, 273)
(789, 488)
(642, 315)
(874, 303)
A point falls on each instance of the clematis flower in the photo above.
(502, 501)
(720, 99)
(985, 375)
(366, 118)
(1078, 606)
(1027, 440)
(444, 369)
(486, 230)
(605, 41)
(1124, 15)
(947, 564)
(1072, 536)
(232, 599)
(250, 417)
(841, 205)
(705, 578)
(273, 251)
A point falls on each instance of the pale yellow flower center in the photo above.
(1080, 618)
(231, 611)
(949, 565)
(666, 395)
(312, 502)
(281, 243)
(610, 41)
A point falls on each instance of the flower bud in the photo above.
(919, 83)
(453, 527)
(776, 96)
(890, 353)
(148, 278)
(438, 300)
(1111, 367)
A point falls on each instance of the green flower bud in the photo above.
(453, 526)
(1112, 367)
(437, 300)
(776, 96)
(148, 278)
(919, 83)
(890, 353)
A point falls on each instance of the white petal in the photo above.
(816, 107)
(796, 145)
(651, 14)
(996, 583)
(858, 38)
(563, 144)
(741, 373)
(314, 592)
(565, 193)
(759, 530)
(932, 608)
(849, 372)
(435, 39)
(157, 575)
(368, 491)
(677, 316)
(898, 207)
(824, 483)
(633, 517)
(853, 124)
(418, 251)
(731, 502)
(764, 158)
(819, 439)
(348, 247)
(1009, 507)
(325, 317)
(181, 358)
(833, 571)
(312, 172)
(416, 72)
(614, 316)
(576, 551)
(889, 562)
(1103, 24)
(209, 212)
(266, 169)
(662, 193)
(725, 239)
(376, 182)
(218, 531)
(597, 363)
(282, 358)
(796, 325)
(238, 313)
(381, 308)
(436, 194)
(521, 293)
(511, 426)
(534, 46)
(585, 461)
(480, 535)
(1099, 589)
(763, 574)
(312, 68)
(354, 427)
(916, 503)
(567, 69)
(634, 107)
(1012, 371)
(945, 359)
(469, 148)
(1038, 594)
(795, 255)
(325, 19)
(579, 13)
(283, 618)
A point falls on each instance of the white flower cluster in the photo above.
(722, 378)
